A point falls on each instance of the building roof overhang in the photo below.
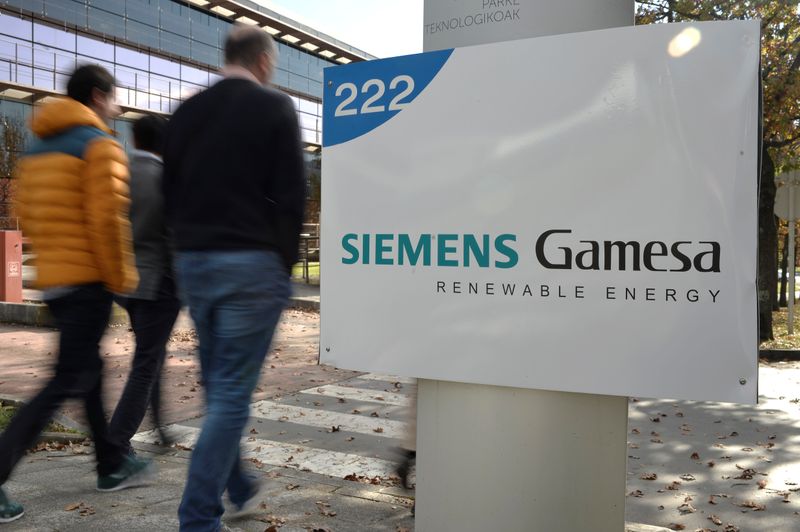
(284, 29)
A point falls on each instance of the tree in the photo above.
(12, 144)
(780, 101)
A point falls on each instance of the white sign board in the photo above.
(449, 23)
(573, 213)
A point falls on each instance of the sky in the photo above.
(383, 28)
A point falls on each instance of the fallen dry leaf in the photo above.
(714, 519)
(686, 508)
(753, 506)
(648, 476)
(695, 456)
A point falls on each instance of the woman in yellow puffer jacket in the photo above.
(72, 201)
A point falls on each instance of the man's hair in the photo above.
(245, 44)
(87, 78)
(149, 132)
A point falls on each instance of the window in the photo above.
(125, 77)
(281, 78)
(111, 6)
(65, 64)
(53, 37)
(23, 74)
(142, 12)
(43, 57)
(44, 79)
(164, 67)
(141, 33)
(8, 50)
(16, 27)
(61, 82)
(315, 88)
(309, 136)
(95, 48)
(194, 75)
(298, 83)
(307, 121)
(205, 34)
(174, 44)
(6, 71)
(310, 107)
(160, 85)
(67, 10)
(174, 23)
(133, 59)
(23, 53)
(107, 23)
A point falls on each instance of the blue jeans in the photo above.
(235, 299)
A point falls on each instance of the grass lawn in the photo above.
(782, 339)
(313, 271)
(8, 411)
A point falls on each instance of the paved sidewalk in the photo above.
(691, 464)
(57, 489)
(719, 466)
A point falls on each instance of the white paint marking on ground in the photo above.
(360, 394)
(387, 378)
(320, 461)
(325, 419)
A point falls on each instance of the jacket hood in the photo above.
(61, 114)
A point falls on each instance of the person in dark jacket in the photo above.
(234, 187)
(153, 307)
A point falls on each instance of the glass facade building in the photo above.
(160, 52)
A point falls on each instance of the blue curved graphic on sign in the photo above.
(361, 96)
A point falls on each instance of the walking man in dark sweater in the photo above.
(234, 188)
(154, 306)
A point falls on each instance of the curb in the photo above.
(53, 437)
(779, 354)
(36, 314)
(303, 303)
(638, 527)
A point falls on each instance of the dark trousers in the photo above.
(81, 317)
(152, 323)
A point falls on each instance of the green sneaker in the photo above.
(132, 472)
(9, 510)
